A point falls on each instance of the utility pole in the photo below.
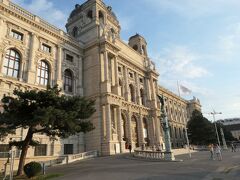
(188, 145)
(213, 114)
(223, 139)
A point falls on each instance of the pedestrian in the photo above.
(218, 152)
(211, 149)
(232, 146)
(130, 148)
(235, 147)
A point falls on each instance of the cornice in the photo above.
(39, 24)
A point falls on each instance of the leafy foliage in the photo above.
(46, 112)
(201, 130)
(32, 169)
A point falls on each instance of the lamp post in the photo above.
(213, 114)
(164, 122)
(188, 144)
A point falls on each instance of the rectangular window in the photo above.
(119, 69)
(40, 150)
(4, 149)
(16, 35)
(68, 148)
(141, 80)
(46, 48)
(131, 75)
(69, 58)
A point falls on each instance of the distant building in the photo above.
(233, 125)
(179, 112)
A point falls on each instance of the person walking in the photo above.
(211, 149)
(218, 152)
(233, 148)
(130, 148)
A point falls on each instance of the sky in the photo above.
(194, 42)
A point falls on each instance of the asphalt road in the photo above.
(125, 167)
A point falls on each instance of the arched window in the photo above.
(143, 50)
(132, 93)
(135, 47)
(11, 64)
(134, 131)
(175, 132)
(75, 32)
(123, 128)
(180, 133)
(142, 97)
(121, 87)
(145, 131)
(90, 14)
(43, 73)
(170, 131)
(101, 16)
(68, 81)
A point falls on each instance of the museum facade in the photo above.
(90, 60)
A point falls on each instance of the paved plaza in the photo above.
(125, 167)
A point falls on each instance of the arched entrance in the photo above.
(145, 132)
(123, 128)
(134, 131)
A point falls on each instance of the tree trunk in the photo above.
(25, 146)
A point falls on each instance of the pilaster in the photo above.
(31, 75)
(59, 66)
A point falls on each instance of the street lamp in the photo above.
(213, 114)
(164, 122)
(188, 144)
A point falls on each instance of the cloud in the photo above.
(178, 62)
(44, 9)
(126, 22)
(229, 42)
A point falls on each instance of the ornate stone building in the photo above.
(179, 112)
(89, 60)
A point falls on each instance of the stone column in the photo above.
(137, 89)
(152, 84)
(80, 77)
(31, 78)
(113, 72)
(141, 137)
(59, 67)
(106, 70)
(102, 67)
(129, 127)
(2, 55)
(106, 86)
(104, 122)
(126, 83)
(148, 89)
(108, 123)
(151, 131)
(119, 124)
(116, 85)
(157, 130)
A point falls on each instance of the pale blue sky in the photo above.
(195, 42)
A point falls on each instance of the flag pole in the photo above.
(178, 89)
(186, 131)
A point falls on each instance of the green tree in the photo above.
(46, 112)
(201, 130)
(227, 133)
